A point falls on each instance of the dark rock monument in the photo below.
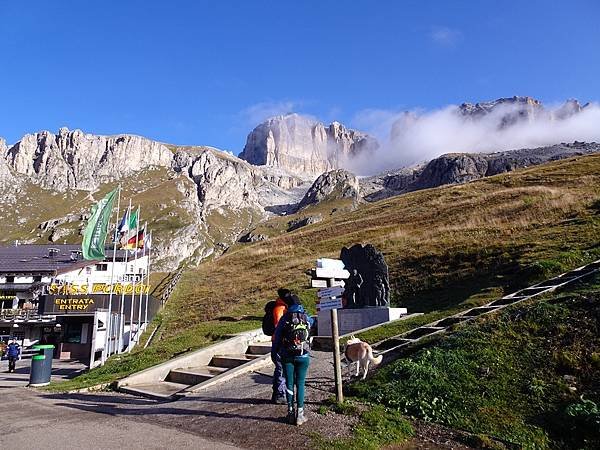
(368, 284)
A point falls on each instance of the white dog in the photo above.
(361, 353)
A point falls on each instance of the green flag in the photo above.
(95, 232)
(133, 220)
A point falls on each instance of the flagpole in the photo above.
(108, 324)
(139, 326)
(137, 233)
(148, 280)
(122, 306)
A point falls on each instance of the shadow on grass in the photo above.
(497, 268)
(239, 319)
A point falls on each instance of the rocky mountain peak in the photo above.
(509, 110)
(76, 160)
(303, 145)
(482, 108)
(334, 185)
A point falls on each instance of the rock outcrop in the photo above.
(335, 185)
(6, 177)
(304, 146)
(509, 110)
(513, 110)
(76, 160)
(214, 196)
(456, 168)
(224, 181)
(304, 221)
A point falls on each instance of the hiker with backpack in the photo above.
(292, 344)
(274, 310)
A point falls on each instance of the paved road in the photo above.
(34, 421)
(236, 414)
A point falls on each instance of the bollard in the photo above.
(39, 375)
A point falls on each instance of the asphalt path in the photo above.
(235, 414)
(35, 421)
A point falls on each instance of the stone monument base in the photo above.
(350, 320)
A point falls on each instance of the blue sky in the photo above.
(199, 72)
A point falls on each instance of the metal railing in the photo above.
(163, 300)
(21, 314)
(170, 287)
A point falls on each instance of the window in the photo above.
(72, 333)
(101, 267)
(10, 279)
(37, 279)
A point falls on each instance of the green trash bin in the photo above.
(40, 371)
(48, 351)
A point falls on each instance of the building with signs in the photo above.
(49, 294)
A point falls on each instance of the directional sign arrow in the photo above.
(330, 292)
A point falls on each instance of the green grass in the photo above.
(447, 248)
(526, 377)
(377, 427)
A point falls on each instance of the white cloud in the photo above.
(412, 137)
(445, 37)
(259, 112)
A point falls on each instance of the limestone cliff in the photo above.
(76, 160)
(303, 145)
(199, 199)
(6, 178)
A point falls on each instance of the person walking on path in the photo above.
(278, 396)
(13, 351)
(291, 343)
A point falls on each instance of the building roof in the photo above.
(37, 259)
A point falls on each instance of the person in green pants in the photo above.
(291, 343)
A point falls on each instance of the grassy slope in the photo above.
(447, 248)
(528, 377)
(155, 190)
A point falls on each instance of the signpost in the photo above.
(331, 292)
(329, 275)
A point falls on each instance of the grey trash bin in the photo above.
(40, 371)
(48, 351)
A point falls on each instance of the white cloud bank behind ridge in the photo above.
(407, 138)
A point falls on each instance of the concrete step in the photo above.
(231, 361)
(163, 390)
(194, 375)
(478, 311)
(259, 349)
(422, 331)
(449, 321)
(390, 343)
